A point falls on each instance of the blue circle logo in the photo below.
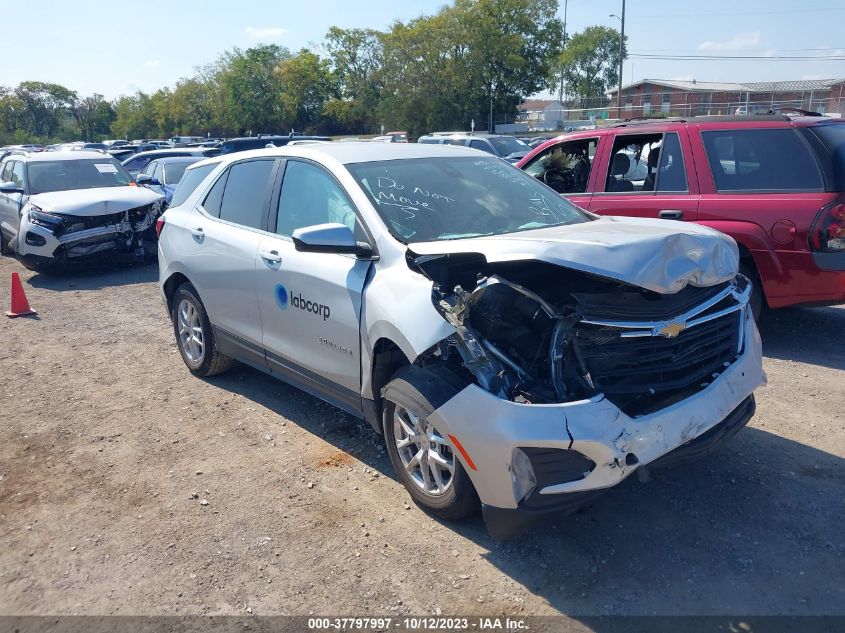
(281, 297)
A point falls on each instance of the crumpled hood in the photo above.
(92, 202)
(660, 255)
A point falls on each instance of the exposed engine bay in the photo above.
(533, 332)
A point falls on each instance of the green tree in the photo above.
(134, 117)
(512, 44)
(306, 84)
(590, 61)
(43, 106)
(251, 89)
(356, 57)
(94, 116)
(192, 106)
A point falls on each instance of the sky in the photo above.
(115, 48)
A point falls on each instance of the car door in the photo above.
(225, 233)
(11, 203)
(648, 175)
(311, 302)
(568, 168)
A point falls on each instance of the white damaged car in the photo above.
(63, 207)
(511, 348)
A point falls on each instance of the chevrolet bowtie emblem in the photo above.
(671, 329)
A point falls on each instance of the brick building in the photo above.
(689, 98)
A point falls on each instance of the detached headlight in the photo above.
(47, 220)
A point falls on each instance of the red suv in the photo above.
(776, 184)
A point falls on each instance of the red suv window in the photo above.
(764, 159)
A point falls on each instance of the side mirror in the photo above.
(146, 180)
(10, 187)
(329, 238)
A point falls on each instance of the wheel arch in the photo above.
(171, 285)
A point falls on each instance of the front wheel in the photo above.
(422, 457)
(756, 302)
(194, 335)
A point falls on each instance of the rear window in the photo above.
(246, 189)
(190, 181)
(832, 150)
(761, 160)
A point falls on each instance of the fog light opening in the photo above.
(522, 475)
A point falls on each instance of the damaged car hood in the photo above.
(93, 202)
(660, 255)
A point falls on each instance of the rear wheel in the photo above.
(194, 335)
(422, 457)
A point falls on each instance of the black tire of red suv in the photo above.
(212, 361)
(420, 392)
(757, 302)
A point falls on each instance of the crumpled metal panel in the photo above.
(660, 255)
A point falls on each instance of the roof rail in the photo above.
(794, 112)
(639, 120)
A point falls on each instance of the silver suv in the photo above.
(510, 347)
(510, 148)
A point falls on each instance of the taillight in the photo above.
(827, 234)
(159, 226)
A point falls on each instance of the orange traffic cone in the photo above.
(20, 306)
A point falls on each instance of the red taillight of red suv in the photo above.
(828, 232)
(159, 226)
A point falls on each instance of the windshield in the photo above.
(507, 145)
(65, 175)
(443, 198)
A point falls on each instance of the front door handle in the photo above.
(671, 214)
(271, 257)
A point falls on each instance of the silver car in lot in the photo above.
(65, 207)
(510, 348)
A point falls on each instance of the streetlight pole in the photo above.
(560, 96)
(621, 59)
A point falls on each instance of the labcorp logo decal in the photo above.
(285, 298)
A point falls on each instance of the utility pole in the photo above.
(560, 96)
(621, 57)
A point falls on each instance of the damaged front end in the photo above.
(544, 339)
(577, 380)
(57, 238)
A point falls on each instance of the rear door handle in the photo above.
(198, 233)
(271, 257)
(671, 214)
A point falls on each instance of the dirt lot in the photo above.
(109, 451)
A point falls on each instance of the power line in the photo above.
(692, 58)
(735, 13)
(747, 50)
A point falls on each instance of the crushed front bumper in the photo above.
(490, 430)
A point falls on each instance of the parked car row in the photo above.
(518, 345)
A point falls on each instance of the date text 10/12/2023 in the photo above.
(421, 623)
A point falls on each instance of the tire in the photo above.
(5, 249)
(413, 394)
(201, 356)
(757, 302)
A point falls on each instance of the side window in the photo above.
(671, 174)
(149, 168)
(565, 167)
(246, 193)
(311, 196)
(6, 173)
(761, 159)
(214, 198)
(633, 162)
(455, 141)
(484, 147)
(138, 163)
(159, 173)
(17, 173)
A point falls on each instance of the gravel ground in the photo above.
(129, 487)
